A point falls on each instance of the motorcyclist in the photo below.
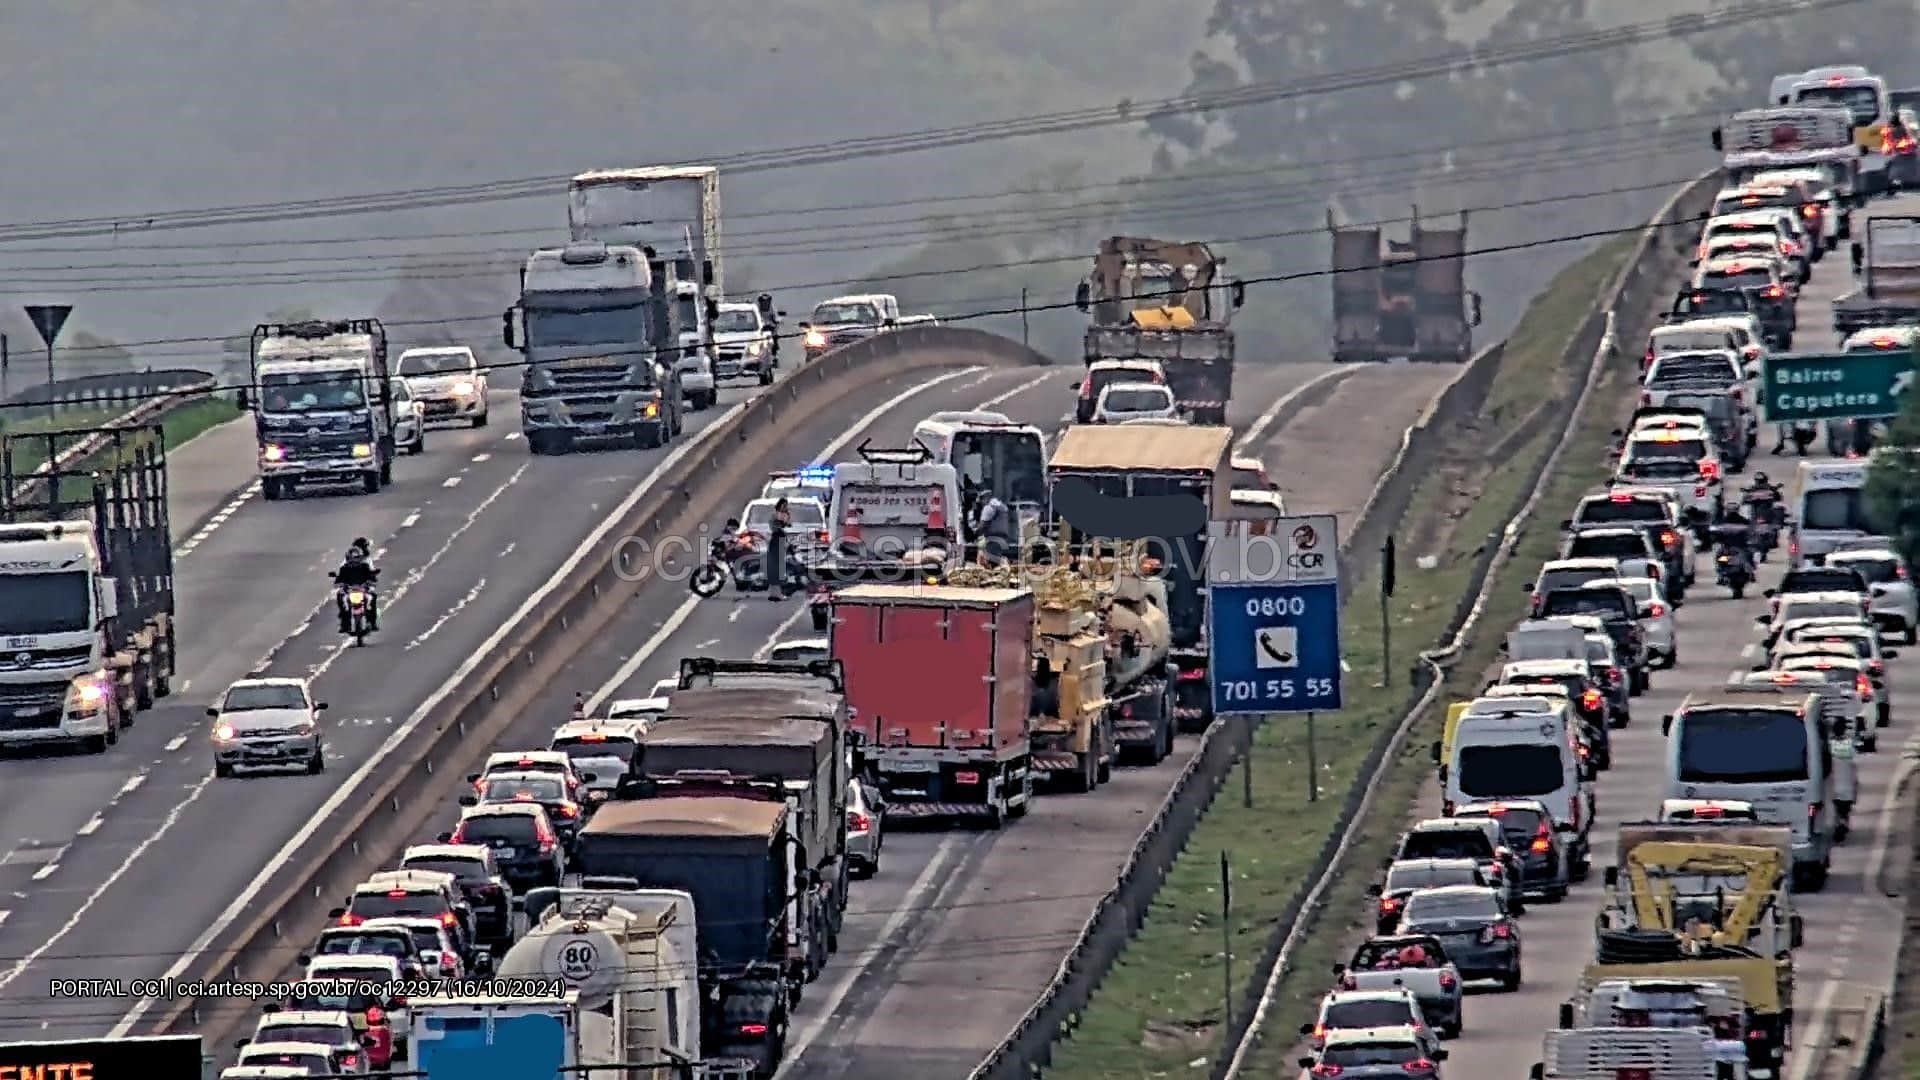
(357, 571)
(1765, 496)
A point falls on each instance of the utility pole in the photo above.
(1226, 941)
(1023, 315)
(1387, 568)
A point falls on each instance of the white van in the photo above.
(1524, 752)
(893, 502)
(1762, 745)
(1832, 508)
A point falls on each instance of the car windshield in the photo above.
(1518, 824)
(1596, 511)
(1694, 368)
(1601, 602)
(435, 363)
(369, 944)
(1862, 101)
(1599, 651)
(498, 829)
(842, 314)
(1754, 278)
(1516, 770)
(563, 327)
(736, 321)
(1713, 302)
(1108, 376)
(1142, 400)
(1446, 844)
(425, 938)
(1833, 508)
(46, 603)
(459, 868)
(1451, 905)
(1608, 546)
(1813, 609)
(1876, 571)
(524, 789)
(1570, 578)
(1743, 746)
(1645, 590)
(1822, 579)
(1682, 340)
(311, 391)
(1752, 200)
(1818, 667)
(386, 904)
(1405, 877)
(1366, 1013)
(1687, 450)
(1351, 1055)
(324, 1034)
(1660, 469)
(263, 696)
(586, 748)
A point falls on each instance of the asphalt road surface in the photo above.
(121, 861)
(1852, 928)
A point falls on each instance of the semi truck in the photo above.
(86, 583)
(1409, 301)
(738, 859)
(937, 682)
(1754, 141)
(322, 400)
(600, 339)
(672, 214)
(1165, 486)
(1170, 302)
(1887, 263)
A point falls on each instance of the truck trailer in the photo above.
(86, 583)
(1170, 302)
(938, 685)
(1409, 301)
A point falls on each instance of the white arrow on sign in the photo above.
(1902, 383)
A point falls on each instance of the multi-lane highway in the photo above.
(1852, 928)
(122, 860)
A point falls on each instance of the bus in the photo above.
(992, 453)
(1763, 745)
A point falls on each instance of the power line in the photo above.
(1449, 63)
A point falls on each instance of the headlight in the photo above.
(223, 733)
(653, 409)
(303, 728)
(362, 450)
(463, 388)
(816, 339)
(88, 694)
(273, 452)
(755, 348)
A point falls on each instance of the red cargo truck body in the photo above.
(939, 684)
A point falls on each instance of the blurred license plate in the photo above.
(503, 852)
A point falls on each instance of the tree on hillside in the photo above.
(1893, 483)
(239, 346)
(89, 353)
(1879, 37)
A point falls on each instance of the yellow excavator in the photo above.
(1169, 302)
(1707, 900)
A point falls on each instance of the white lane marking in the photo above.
(734, 615)
(1251, 439)
(679, 615)
(459, 606)
(415, 575)
(218, 519)
(80, 912)
(998, 398)
(4, 915)
(1888, 809)
(930, 875)
(42, 874)
(478, 458)
(451, 481)
(708, 644)
(249, 894)
(175, 743)
(92, 826)
(510, 436)
(133, 783)
(410, 520)
(779, 632)
(1807, 1053)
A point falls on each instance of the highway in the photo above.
(1852, 928)
(97, 882)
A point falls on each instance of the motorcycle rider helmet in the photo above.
(359, 550)
(1760, 480)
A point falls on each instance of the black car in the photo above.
(1820, 579)
(1653, 515)
(362, 941)
(525, 847)
(1474, 926)
(1603, 667)
(1617, 611)
(1590, 704)
(1408, 876)
(544, 789)
(1528, 828)
(480, 882)
(1770, 303)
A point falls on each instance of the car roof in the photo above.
(1442, 824)
(327, 961)
(1862, 554)
(1563, 666)
(1583, 562)
(802, 643)
(269, 680)
(1335, 997)
(289, 1047)
(1819, 659)
(445, 851)
(409, 878)
(1436, 864)
(1119, 386)
(1456, 890)
(1386, 1033)
(623, 726)
(1820, 596)
(504, 809)
(408, 922)
(509, 775)
(625, 707)
(310, 1017)
(1136, 362)
(506, 758)
(1486, 805)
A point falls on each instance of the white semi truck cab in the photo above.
(55, 602)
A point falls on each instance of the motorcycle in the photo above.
(1732, 568)
(358, 599)
(1766, 513)
(711, 576)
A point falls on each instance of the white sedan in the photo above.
(1656, 619)
(1891, 600)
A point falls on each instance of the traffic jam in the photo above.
(1747, 793)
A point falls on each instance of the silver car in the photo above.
(1374, 1054)
(1656, 620)
(865, 813)
(267, 724)
(448, 381)
(1135, 401)
(409, 419)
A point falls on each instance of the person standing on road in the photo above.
(777, 530)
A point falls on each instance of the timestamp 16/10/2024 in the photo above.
(162, 989)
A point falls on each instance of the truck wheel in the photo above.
(271, 490)
(1086, 772)
(142, 687)
(370, 483)
(94, 744)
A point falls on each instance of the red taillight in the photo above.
(396, 894)
(351, 1061)
(1348, 982)
(350, 919)
(1773, 292)
(755, 1030)
(458, 835)
(1086, 389)
(1756, 1035)
(966, 779)
(1541, 845)
(1751, 352)
(1790, 247)
(569, 811)
(1699, 491)
(1649, 357)
(1584, 752)
(1810, 211)
(1864, 686)
(447, 962)
(448, 918)
(1633, 1074)
(376, 1015)
(1707, 812)
(1389, 905)
(1709, 469)
(1905, 145)
(1422, 1067)
(1900, 572)
(1193, 675)
(1813, 811)
(1668, 537)
(548, 842)
(1658, 610)
(1502, 930)
(1614, 675)
(1319, 1033)
(1591, 700)
(1326, 1070)
(858, 821)
(820, 535)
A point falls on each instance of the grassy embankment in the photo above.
(1160, 1010)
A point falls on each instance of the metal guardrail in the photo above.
(118, 388)
(387, 810)
(1598, 340)
(151, 404)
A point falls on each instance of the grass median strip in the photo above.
(1160, 1011)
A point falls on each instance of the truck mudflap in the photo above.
(1206, 412)
(1142, 729)
(925, 788)
(1192, 693)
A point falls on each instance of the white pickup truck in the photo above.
(1380, 964)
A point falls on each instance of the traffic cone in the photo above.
(937, 510)
(850, 528)
(579, 705)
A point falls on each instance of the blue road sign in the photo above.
(1275, 647)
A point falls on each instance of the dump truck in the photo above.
(1165, 486)
(1103, 684)
(937, 679)
(1654, 1053)
(1887, 262)
(86, 582)
(1754, 141)
(737, 858)
(322, 398)
(1170, 302)
(672, 214)
(1410, 301)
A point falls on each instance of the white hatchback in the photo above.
(1656, 620)
(1891, 599)
(1135, 401)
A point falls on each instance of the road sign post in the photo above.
(48, 319)
(1800, 387)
